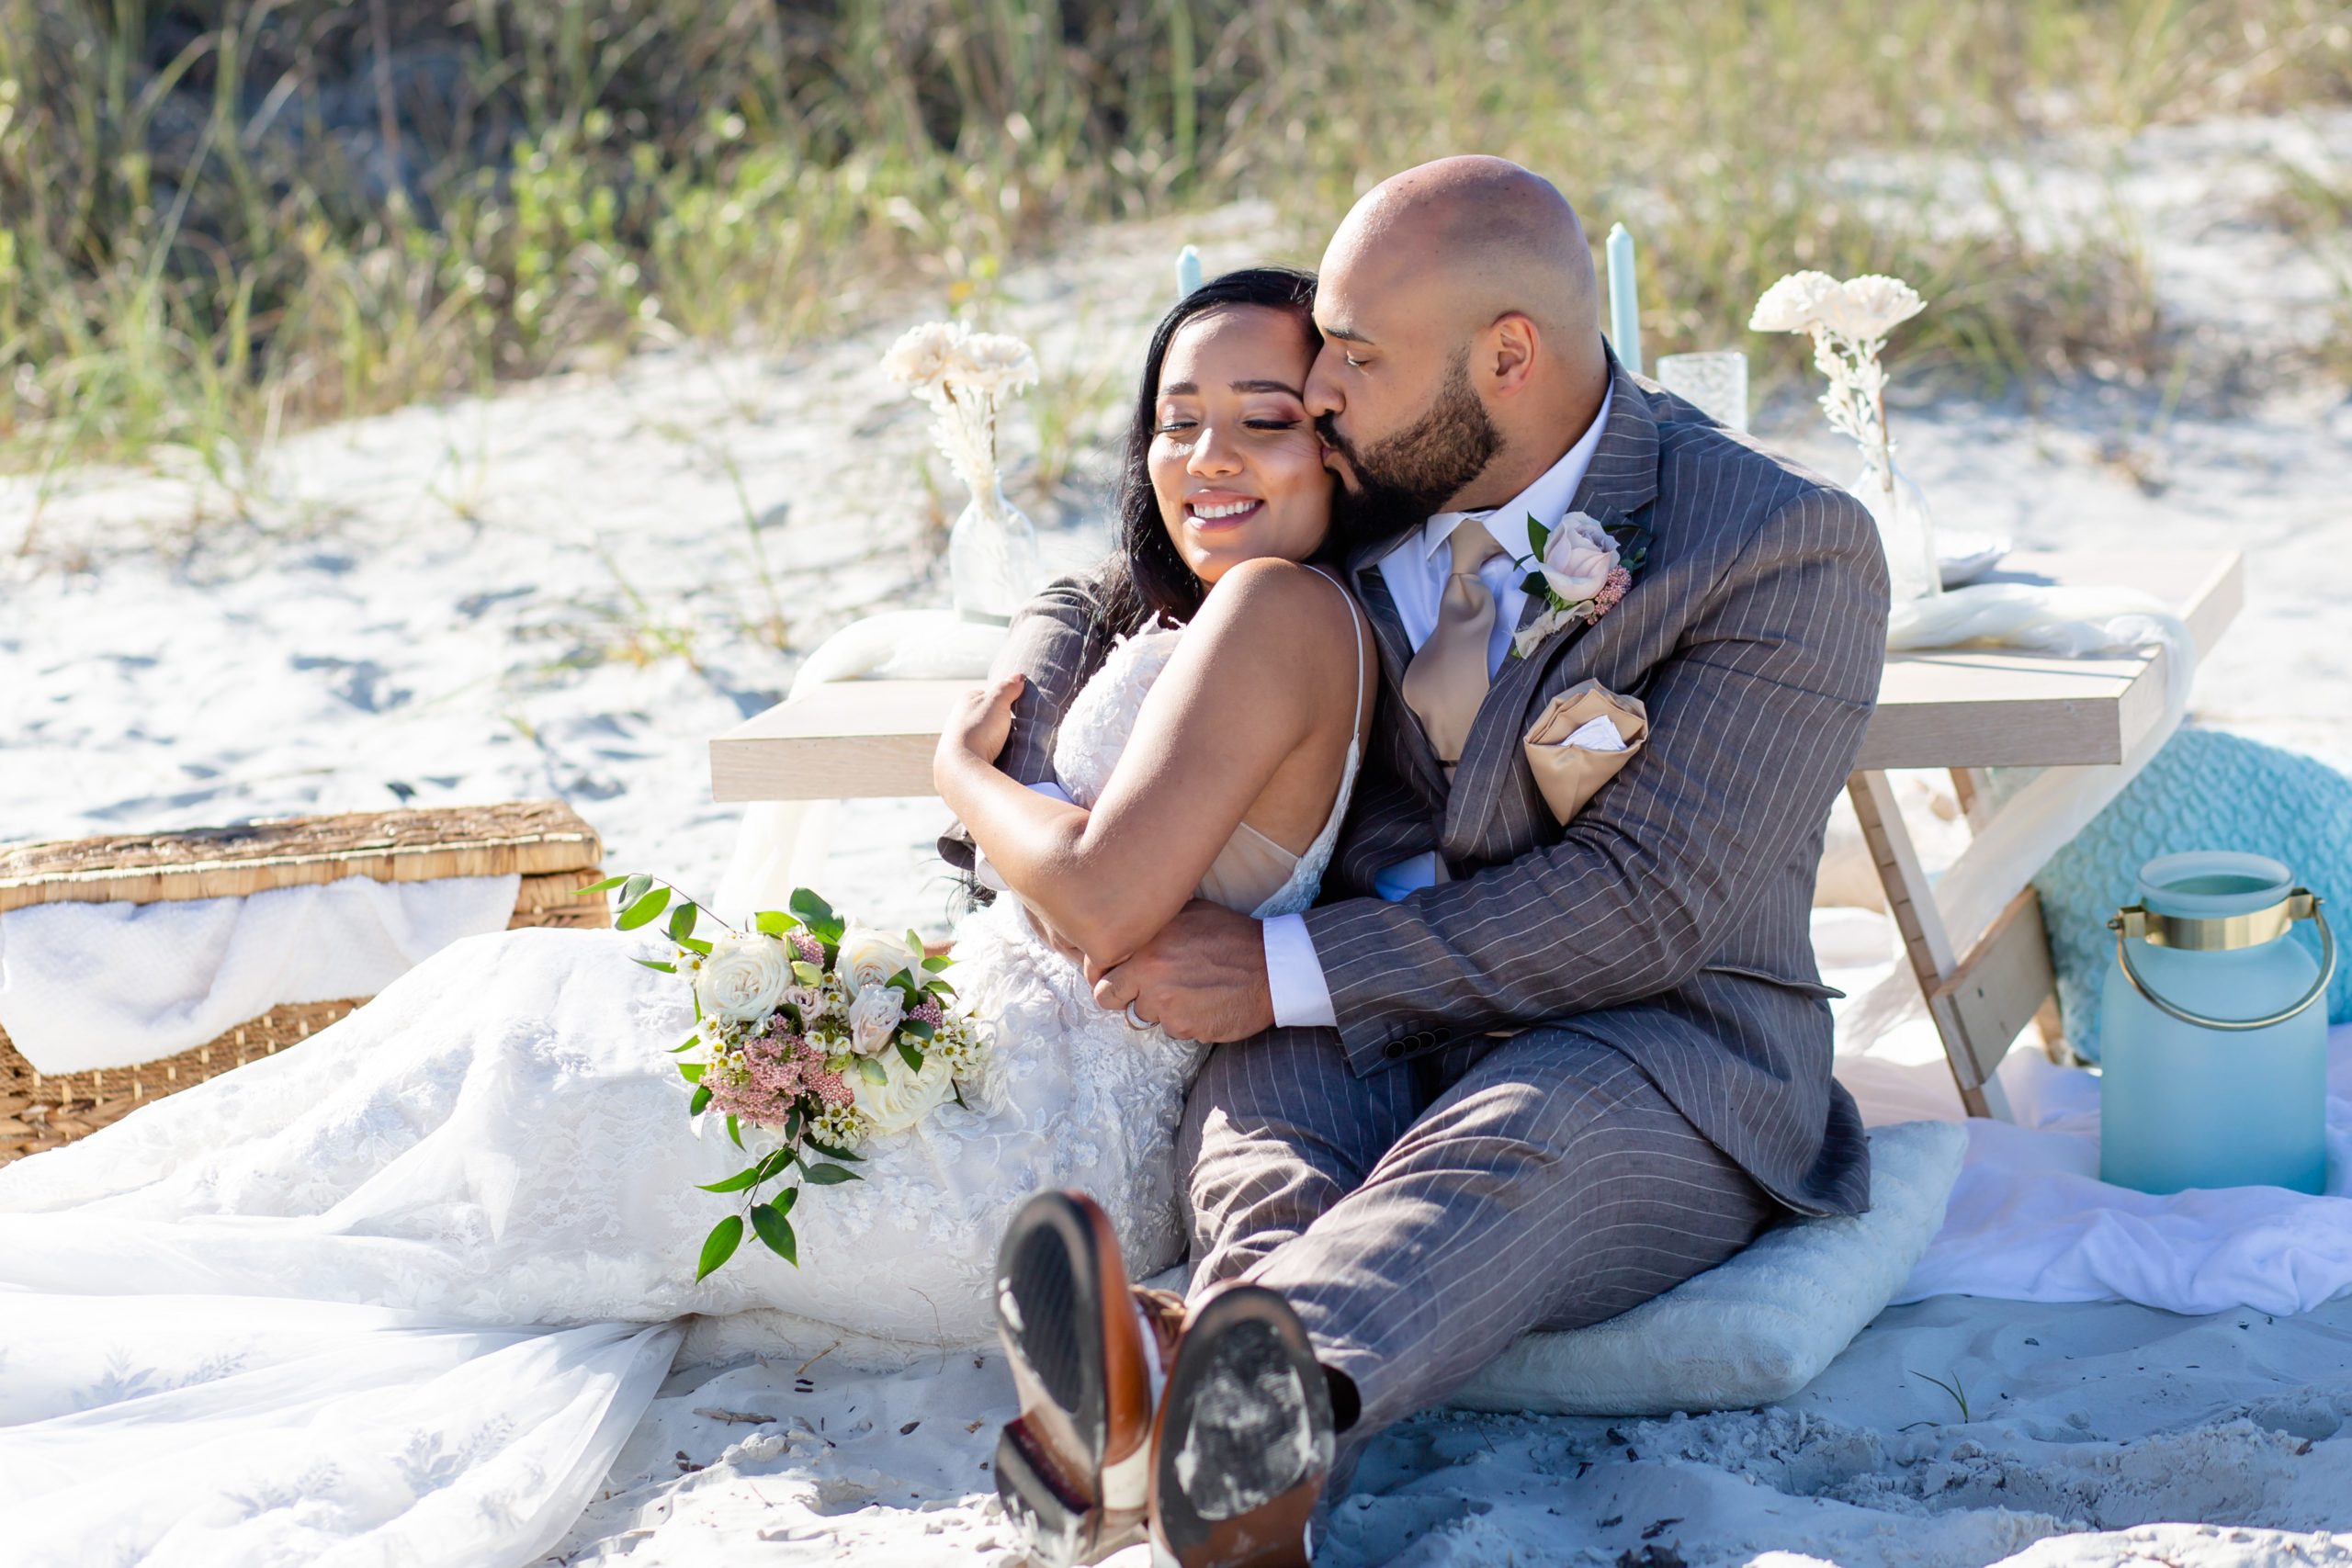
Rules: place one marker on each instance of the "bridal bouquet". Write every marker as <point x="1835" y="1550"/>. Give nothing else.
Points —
<point x="815" y="1033"/>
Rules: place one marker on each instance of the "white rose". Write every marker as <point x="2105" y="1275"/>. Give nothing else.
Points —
<point x="1794" y="304"/>
<point x="906" y="1097"/>
<point x="922" y="354"/>
<point x="1577" y="557"/>
<point x="867" y="957"/>
<point x="744" y="978"/>
<point x="875" y="1017"/>
<point x="1869" y="306"/>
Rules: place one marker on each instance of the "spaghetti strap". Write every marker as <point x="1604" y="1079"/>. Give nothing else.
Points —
<point x="1355" y="624"/>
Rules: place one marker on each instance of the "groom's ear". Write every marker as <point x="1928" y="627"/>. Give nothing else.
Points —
<point x="1507" y="354"/>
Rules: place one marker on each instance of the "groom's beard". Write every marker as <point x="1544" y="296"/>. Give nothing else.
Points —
<point x="1401" y="483"/>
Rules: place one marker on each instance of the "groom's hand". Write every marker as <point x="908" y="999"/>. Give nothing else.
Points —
<point x="1203" y="977"/>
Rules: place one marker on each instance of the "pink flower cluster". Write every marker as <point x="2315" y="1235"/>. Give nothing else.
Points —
<point x="1612" y="587"/>
<point x="771" y="1075"/>
<point x="807" y="948"/>
<point x="928" y="1010"/>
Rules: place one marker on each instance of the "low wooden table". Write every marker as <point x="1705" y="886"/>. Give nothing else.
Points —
<point x="1961" y="710"/>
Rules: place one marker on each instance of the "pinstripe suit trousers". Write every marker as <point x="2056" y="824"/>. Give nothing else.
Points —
<point x="1421" y="1219"/>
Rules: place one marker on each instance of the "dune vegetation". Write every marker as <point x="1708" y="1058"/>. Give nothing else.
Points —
<point x="221" y="218"/>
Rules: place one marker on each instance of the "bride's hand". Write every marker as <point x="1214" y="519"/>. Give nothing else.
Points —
<point x="981" y="721"/>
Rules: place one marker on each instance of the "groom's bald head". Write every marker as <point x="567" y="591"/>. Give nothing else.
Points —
<point x="1463" y="353"/>
<point x="1475" y="238"/>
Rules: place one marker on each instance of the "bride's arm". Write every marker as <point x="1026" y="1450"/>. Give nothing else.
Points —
<point x="1265" y="661"/>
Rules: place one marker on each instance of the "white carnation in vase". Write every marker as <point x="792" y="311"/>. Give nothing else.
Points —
<point x="1869" y="306"/>
<point x="903" y="1098"/>
<point x="744" y="977"/>
<point x="992" y="363"/>
<point x="875" y="1017"/>
<point x="1794" y="304"/>
<point x="868" y="958"/>
<point x="923" y="355"/>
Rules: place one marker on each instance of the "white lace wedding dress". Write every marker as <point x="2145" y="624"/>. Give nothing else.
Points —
<point x="398" y="1296"/>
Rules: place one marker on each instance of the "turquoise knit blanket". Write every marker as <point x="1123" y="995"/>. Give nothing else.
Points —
<point x="2205" y="790"/>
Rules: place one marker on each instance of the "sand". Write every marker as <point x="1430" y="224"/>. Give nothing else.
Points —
<point x="554" y="591"/>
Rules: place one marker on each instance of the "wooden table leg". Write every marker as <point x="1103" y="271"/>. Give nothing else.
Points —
<point x="1945" y="975"/>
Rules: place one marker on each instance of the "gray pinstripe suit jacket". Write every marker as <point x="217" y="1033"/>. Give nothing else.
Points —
<point x="1669" y="920"/>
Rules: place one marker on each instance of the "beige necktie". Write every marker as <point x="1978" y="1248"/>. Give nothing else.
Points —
<point x="1447" y="677"/>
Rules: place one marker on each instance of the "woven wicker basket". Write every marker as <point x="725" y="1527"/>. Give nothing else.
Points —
<point x="554" y="851"/>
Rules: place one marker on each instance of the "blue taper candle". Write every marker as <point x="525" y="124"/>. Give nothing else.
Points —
<point x="1625" y="300"/>
<point x="1188" y="270"/>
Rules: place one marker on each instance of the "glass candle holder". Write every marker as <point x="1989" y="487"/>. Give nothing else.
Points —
<point x="1716" y="382"/>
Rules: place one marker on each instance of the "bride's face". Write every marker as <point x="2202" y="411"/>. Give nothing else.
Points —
<point x="1235" y="460"/>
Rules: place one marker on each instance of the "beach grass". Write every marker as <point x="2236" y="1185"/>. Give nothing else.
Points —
<point x="221" y="218"/>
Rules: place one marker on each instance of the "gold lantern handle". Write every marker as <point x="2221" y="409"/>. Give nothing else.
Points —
<point x="2303" y="904"/>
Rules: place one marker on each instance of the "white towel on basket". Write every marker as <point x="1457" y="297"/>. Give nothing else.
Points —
<point x="88" y="986"/>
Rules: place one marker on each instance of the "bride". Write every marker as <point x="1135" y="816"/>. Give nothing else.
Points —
<point x="400" y="1295"/>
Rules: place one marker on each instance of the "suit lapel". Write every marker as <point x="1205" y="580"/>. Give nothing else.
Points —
<point x="1400" y="733"/>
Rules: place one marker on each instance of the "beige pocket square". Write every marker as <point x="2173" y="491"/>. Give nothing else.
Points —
<point x="1569" y="752"/>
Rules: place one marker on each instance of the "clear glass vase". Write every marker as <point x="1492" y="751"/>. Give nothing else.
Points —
<point x="1906" y="531"/>
<point x="992" y="563"/>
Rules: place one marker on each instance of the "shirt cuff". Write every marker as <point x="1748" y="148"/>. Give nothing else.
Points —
<point x="1294" y="975"/>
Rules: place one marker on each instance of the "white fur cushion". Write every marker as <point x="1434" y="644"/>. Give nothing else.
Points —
<point x="1756" y="1329"/>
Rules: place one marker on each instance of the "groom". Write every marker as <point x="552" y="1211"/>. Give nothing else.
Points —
<point x="1510" y="1073"/>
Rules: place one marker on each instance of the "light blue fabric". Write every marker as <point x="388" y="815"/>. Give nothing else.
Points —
<point x="2205" y="790"/>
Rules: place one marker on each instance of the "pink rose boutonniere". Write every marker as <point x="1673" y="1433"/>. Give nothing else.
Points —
<point x="1582" y="569"/>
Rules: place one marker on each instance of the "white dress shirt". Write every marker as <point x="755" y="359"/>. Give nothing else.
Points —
<point x="1415" y="573"/>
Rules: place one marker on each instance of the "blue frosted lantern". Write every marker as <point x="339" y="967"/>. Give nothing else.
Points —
<point x="2213" y="1052"/>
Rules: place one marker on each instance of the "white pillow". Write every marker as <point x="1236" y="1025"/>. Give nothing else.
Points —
<point x="1755" y="1329"/>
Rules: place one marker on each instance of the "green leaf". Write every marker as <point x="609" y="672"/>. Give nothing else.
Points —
<point x="831" y="1175"/>
<point x="818" y="916"/>
<point x="775" y="1230"/>
<point x="633" y="889"/>
<point x="938" y="962"/>
<point x="776" y="1163"/>
<point x="734" y="1133"/>
<point x="805" y="972"/>
<point x="748" y="1177"/>
<point x="643" y="912"/>
<point x="871" y="1071"/>
<point x="695" y="944"/>
<point x="914" y="942"/>
<point x="773" y="922"/>
<point x="604" y="887"/>
<point x="912" y="1056"/>
<point x="958" y="1090"/>
<point x="831" y="1153"/>
<point x="692" y="1071"/>
<point x="791" y="1132"/>
<point x="701" y="1101"/>
<point x="1534" y="536"/>
<point x="656" y="964"/>
<point x="939" y="989"/>
<point x="720" y="1246"/>
<point x="690" y="1043"/>
<point x="918" y="1028"/>
<point x="682" y="923"/>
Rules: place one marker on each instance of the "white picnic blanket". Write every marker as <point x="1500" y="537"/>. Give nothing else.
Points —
<point x="2030" y="1220"/>
<point x="88" y="986"/>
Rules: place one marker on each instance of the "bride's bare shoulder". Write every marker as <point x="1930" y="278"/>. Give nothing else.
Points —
<point x="1271" y="588"/>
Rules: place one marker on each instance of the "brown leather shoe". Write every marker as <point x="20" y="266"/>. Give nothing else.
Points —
<point x="1073" y="1467"/>
<point x="1244" y="1439"/>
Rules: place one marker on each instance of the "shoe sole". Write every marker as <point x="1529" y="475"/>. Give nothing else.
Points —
<point x="1051" y="1301"/>
<point x="1236" y="1489"/>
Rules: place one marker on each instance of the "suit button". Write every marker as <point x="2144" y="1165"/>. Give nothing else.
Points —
<point x="1395" y="1048"/>
<point x="1443" y="1035"/>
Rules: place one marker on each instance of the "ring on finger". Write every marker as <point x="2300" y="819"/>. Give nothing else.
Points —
<point x="1136" y="1021"/>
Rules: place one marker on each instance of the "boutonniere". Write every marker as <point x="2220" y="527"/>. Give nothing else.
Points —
<point x="1582" y="569"/>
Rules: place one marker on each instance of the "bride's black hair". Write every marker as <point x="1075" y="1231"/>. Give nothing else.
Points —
<point x="1147" y="580"/>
